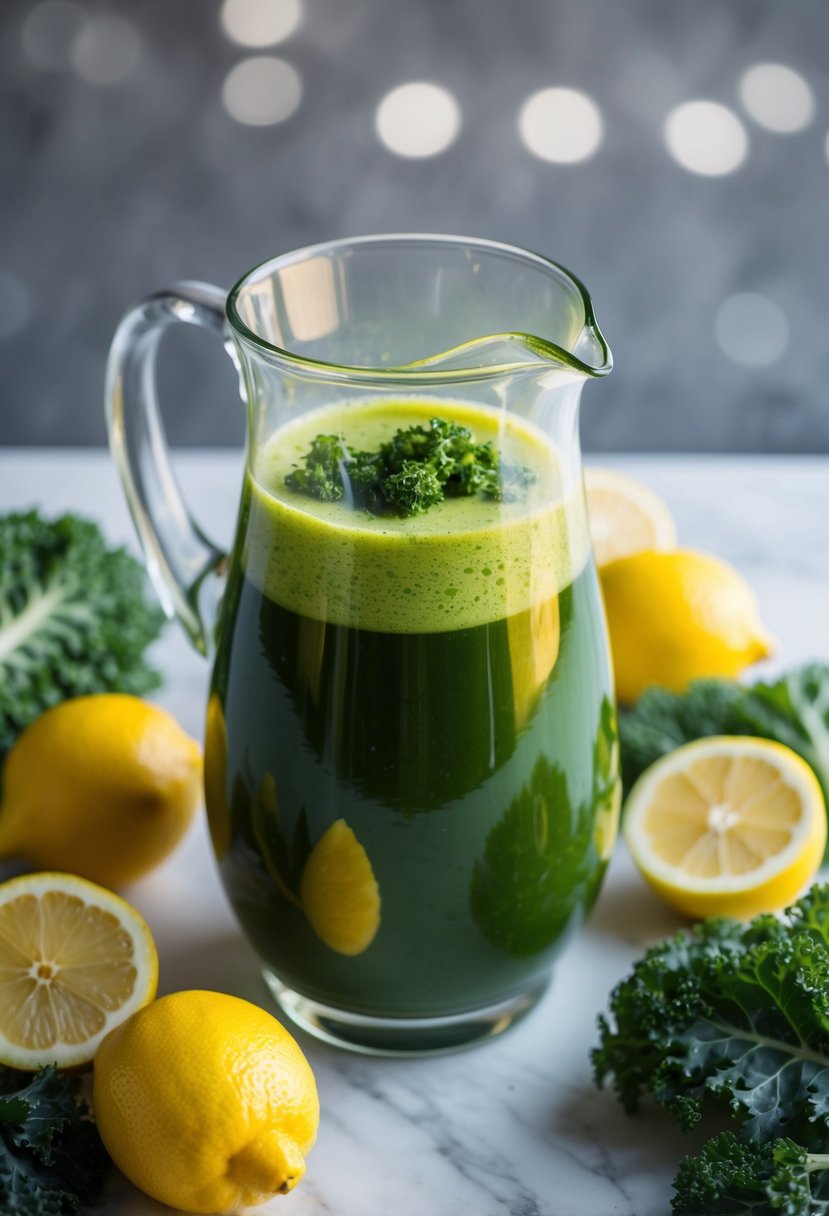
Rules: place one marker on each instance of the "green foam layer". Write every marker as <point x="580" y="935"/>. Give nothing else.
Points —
<point x="464" y="562"/>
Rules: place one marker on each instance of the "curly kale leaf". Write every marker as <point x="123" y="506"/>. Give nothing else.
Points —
<point x="413" y="489"/>
<point x="731" y="1178"/>
<point x="417" y="468"/>
<point x="793" y="710"/>
<point x="730" y="1015"/>
<point x="51" y="1158"/>
<point x="74" y="618"/>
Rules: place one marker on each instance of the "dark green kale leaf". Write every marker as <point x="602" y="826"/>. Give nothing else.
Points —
<point x="417" y="468"/>
<point x="661" y="721"/>
<point x="52" y="1161"/>
<point x="74" y="618"/>
<point x="732" y="1178"/>
<point x="793" y="710"/>
<point x="730" y="1015"/>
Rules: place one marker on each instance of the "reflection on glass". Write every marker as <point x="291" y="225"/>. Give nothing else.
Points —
<point x="544" y="859"/>
<point x="311" y="298"/>
<point x="340" y="895"/>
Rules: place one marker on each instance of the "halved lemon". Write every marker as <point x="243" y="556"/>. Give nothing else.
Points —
<point x="625" y="516"/>
<point x="727" y="826"/>
<point x="75" y="961"/>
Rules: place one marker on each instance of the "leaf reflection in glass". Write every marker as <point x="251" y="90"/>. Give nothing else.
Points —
<point x="544" y="860"/>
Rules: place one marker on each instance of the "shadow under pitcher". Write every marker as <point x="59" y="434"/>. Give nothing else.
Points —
<point x="411" y="758"/>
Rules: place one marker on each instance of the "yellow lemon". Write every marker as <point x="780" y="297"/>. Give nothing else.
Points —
<point x="75" y="961"/>
<point x="339" y="892"/>
<point x="678" y="616"/>
<point x="103" y="786"/>
<point x="625" y="516"/>
<point x="206" y="1102"/>
<point x="727" y="826"/>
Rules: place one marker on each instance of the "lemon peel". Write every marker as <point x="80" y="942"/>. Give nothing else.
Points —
<point x="206" y="1102"/>
<point x="679" y="616"/>
<point x="102" y="786"/>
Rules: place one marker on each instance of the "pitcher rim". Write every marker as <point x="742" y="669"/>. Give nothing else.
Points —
<point x="417" y="372"/>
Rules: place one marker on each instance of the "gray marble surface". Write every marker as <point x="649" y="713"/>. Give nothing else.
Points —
<point x="514" y="1127"/>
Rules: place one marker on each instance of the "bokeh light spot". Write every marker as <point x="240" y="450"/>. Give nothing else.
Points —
<point x="49" y="31"/>
<point x="777" y="97"/>
<point x="561" y="125"/>
<point x="106" y="50"/>
<point x="262" y="90"/>
<point x="260" y="22"/>
<point x="706" y="137"/>
<point x="418" y="119"/>
<point x="751" y="329"/>
<point x="15" y="304"/>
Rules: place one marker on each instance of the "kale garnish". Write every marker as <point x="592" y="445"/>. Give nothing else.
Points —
<point x="417" y="468"/>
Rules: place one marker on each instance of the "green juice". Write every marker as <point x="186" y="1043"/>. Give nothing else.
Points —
<point x="439" y="684"/>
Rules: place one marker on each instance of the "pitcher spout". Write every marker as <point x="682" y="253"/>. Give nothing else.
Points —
<point x="511" y="352"/>
<point x="573" y="341"/>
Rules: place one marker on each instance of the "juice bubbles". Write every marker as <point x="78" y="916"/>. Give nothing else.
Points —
<point x="411" y="748"/>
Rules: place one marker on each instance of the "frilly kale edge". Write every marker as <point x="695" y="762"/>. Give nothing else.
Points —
<point x="52" y="1162"/>
<point x="734" y="1018"/>
<point x="793" y="710"/>
<point x="777" y="1178"/>
<point x="75" y="618"/>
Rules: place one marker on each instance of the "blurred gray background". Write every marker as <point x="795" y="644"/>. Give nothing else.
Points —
<point x="674" y="155"/>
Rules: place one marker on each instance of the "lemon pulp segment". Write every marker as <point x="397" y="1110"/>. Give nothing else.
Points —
<point x="728" y="826"/>
<point x="74" y="961"/>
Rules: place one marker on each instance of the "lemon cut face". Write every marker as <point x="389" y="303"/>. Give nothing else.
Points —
<point x="727" y="826"/>
<point x="75" y="961"/>
<point x="625" y="516"/>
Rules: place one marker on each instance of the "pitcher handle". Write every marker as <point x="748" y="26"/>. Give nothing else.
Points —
<point x="187" y="569"/>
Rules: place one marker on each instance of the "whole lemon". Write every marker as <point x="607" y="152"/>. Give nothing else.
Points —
<point x="101" y="786"/>
<point x="678" y="616"/>
<point x="206" y="1102"/>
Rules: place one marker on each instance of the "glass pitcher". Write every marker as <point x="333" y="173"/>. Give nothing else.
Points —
<point x="411" y="760"/>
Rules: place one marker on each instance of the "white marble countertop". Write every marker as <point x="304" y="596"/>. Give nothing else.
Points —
<point x="514" y="1127"/>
